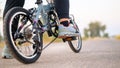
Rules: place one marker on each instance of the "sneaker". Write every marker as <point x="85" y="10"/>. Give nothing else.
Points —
<point x="6" y="54"/>
<point x="68" y="31"/>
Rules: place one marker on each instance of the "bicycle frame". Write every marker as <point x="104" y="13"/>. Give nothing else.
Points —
<point x="31" y="25"/>
<point x="41" y="11"/>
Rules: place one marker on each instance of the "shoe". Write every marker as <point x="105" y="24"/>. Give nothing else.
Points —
<point x="69" y="31"/>
<point x="6" y="54"/>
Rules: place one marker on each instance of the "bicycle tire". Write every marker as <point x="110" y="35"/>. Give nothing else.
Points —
<point x="9" y="38"/>
<point x="76" y="42"/>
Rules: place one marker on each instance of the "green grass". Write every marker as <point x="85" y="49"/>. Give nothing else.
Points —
<point x="46" y="38"/>
<point x="2" y="44"/>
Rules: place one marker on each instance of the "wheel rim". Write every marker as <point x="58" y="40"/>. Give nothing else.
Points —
<point x="23" y="50"/>
<point x="76" y="44"/>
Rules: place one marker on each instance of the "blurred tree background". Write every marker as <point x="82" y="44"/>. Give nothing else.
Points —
<point x="1" y="38"/>
<point x="95" y="29"/>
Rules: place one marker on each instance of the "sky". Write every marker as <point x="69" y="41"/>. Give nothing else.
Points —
<point x="85" y="11"/>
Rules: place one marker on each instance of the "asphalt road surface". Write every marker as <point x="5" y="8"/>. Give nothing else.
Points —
<point x="94" y="54"/>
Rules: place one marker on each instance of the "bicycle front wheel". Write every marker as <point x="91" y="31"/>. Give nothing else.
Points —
<point x="76" y="43"/>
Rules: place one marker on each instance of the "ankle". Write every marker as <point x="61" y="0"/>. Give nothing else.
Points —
<point x="65" y="21"/>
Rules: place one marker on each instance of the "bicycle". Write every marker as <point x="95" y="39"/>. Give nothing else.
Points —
<point x="25" y="38"/>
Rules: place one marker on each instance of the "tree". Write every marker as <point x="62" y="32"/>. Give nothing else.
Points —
<point x="86" y="33"/>
<point x="1" y="38"/>
<point x="103" y="30"/>
<point x="95" y="29"/>
<point x="106" y="35"/>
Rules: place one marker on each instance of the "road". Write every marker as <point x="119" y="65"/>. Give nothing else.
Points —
<point x="94" y="54"/>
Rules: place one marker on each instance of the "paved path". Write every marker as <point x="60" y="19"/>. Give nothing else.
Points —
<point x="94" y="54"/>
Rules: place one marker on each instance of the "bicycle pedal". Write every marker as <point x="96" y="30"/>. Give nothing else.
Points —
<point x="72" y="35"/>
<point x="70" y="38"/>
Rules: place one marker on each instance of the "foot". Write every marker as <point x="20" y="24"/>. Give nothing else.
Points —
<point x="65" y="31"/>
<point x="6" y="54"/>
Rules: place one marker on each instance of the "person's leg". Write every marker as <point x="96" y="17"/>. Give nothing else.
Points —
<point x="62" y="9"/>
<point x="10" y="4"/>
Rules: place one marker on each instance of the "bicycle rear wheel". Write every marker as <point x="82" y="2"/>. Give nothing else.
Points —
<point x="19" y="36"/>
